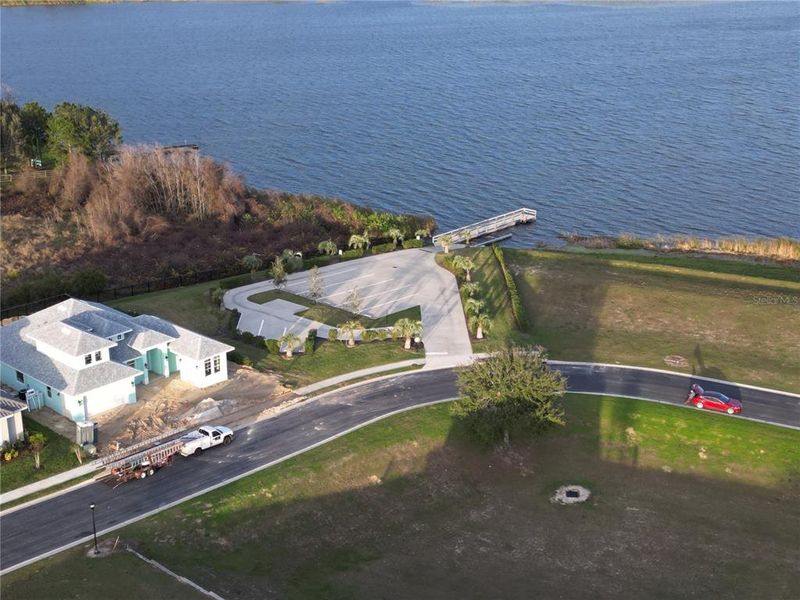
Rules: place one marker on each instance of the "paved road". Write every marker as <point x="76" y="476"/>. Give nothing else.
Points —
<point x="65" y="520"/>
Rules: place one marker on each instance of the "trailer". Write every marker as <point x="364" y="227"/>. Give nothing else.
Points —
<point x="142" y="464"/>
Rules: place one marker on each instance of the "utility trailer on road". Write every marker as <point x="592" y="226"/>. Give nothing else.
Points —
<point x="142" y="464"/>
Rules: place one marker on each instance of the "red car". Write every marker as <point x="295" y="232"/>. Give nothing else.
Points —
<point x="713" y="401"/>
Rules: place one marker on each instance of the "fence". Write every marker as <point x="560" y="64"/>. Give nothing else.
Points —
<point x="155" y="285"/>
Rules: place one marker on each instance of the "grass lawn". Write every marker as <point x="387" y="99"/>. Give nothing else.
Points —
<point x="192" y="308"/>
<point x="332" y="315"/>
<point x="684" y="504"/>
<point x="121" y="576"/>
<point x="729" y="319"/>
<point x="57" y="456"/>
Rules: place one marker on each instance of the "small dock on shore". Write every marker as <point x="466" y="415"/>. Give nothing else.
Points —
<point x="487" y="226"/>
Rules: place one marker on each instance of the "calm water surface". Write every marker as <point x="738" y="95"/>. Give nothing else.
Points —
<point x="674" y="118"/>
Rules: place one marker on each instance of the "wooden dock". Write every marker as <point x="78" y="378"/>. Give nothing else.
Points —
<point x="481" y="228"/>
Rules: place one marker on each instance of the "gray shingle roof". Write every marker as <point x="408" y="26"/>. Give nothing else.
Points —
<point x="19" y="353"/>
<point x="186" y="343"/>
<point x="10" y="404"/>
<point x="64" y="327"/>
<point x="99" y="325"/>
<point x="68" y="339"/>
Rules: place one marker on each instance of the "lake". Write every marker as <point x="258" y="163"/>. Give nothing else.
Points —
<point x="673" y="118"/>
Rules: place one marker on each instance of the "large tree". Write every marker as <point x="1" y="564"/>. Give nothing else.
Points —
<point x="35" y="121"/>
<point x="511" y="391"/>
<point x="10" y="133"/>
<point x="87" y="129"/>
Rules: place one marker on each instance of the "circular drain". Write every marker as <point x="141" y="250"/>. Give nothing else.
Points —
<point x="570" y="494"/>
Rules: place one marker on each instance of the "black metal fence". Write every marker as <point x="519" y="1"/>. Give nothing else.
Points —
<point x="154" y="285"/>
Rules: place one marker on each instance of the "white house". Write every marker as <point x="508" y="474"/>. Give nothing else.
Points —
<point x="82" y="358"/>
<point x="10" y="417"/>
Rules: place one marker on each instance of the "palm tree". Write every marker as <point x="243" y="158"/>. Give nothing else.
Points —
<point x="471" y="289"/>
<point x="395" y="234"/>
<point x="327" y="247"/>
<point x="407" y="328"/>
<point x="474" y="306"/>
<point x="480" y="323"/>
<point x="464" y="263"/>
<point x="278" y="273"/>
<point x="468" y="235"/>
<point x="37" y="441"/>
<point x="349" y="329"/>
<point x="422" y="233"/>
<point x="445" y="242"/>
<point x="252" y="262"/>
<point x="357" y="241"/>
<point x="290" y="341"/>
<point x="366" y="238"/>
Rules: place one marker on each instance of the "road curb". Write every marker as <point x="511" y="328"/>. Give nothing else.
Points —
<point x="216" y="486"/>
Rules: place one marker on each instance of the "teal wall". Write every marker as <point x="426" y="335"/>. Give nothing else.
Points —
<point x="8" y="375"/>
<point x="139" y="364"/>
<point x="155" y="361"/>
<point x="173" y="362"/>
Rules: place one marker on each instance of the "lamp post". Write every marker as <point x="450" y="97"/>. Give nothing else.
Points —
<point x="94" y="529"/>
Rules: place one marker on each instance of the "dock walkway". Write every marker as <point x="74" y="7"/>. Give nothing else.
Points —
<point x="481" y="228"/>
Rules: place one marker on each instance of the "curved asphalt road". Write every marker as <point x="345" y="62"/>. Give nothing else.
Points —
<point x="31" y="533"/>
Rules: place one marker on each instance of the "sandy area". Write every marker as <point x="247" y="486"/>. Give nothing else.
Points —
<point x="169" y="403"/>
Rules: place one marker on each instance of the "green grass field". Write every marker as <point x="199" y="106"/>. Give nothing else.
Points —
<point x="728" y="319"/>
<point x="56" y="457"/>
<point x="684" y="504"/>
<point x="192" y="308"/>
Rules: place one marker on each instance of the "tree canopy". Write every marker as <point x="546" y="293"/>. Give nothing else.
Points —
<point x="511" y="391"/>
<point x="88" y="129"/>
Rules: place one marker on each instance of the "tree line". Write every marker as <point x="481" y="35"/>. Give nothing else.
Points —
<point x="32" y="133"/>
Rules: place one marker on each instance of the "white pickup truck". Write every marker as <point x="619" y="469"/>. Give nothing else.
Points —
<point x="204" y="438"/>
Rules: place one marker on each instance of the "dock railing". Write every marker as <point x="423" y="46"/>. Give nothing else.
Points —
<point x="481" y="228"/>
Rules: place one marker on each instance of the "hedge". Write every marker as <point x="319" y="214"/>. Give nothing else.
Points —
<point x="354" y="253"/>
<point x="317" y="261"/>
<point x="413" y="243"/>
<point x="381" y="248"/>
<point x="511" y="286"/>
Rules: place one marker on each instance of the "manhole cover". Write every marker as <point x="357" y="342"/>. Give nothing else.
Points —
<point x="570" y="494"/>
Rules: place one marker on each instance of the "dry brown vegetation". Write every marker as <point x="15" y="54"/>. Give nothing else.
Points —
<point x="154" y="212"/>
<point x="778" y="249"/>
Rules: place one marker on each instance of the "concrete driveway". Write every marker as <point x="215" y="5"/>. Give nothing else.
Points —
<point x="386" y="284"/>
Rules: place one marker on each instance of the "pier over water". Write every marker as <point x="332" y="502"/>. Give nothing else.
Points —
<point x="481" y="228"/>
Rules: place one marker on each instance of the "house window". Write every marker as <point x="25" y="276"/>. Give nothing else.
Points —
<point x="217" y="365"/>
<point x="208" y="367"/>
<point x="87" y="359"/>
<point x="98" y="356"/>
<point x="49" y="392"/>
<point x="20" y="377"/>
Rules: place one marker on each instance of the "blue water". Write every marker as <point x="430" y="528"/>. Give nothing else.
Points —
<point x="644" y="119"/>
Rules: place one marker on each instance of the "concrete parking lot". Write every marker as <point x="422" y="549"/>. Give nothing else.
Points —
<point x="386" y="284"/>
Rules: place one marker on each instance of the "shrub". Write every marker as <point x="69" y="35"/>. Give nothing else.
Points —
<point x="413" y="243"/>
<point x="233" y="282"/>
<point x="511" y="286"/>
<point x="247" y="361"/>
<point x="311" y="341"/>
<point x="233" y="321"/>
<point x="354" y="253"/>
<point x="317" y="261"/>
<point x="237" y="357"/>
<point x="216" y="296"/>
<point x="333" y="334"/>
<point x="273" y="347"/>
<point x="381" y="248"/>
<point x="368" y="336"/>
<point x="248" y="338"/>
<point x="87" y="283"/>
